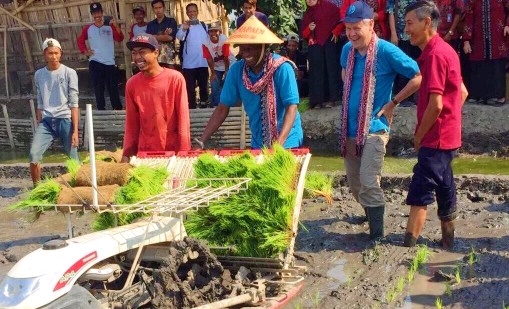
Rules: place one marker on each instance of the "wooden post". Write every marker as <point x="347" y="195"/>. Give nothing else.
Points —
<point x="34" y="115"/>
<point x="182" y="10"/>
<point x="6" y="70"/>
<point x="242" y="128"/>
<point x="127" y="53"/>
<point x="8" y="125"/>
<point x="224" y="20"/>
<point x="27" y="48"/>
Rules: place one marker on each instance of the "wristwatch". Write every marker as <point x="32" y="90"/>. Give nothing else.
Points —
<point x="395" y="101"/>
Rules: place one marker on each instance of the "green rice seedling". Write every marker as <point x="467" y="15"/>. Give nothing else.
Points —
<point x="400" y="285"/>
<point x="257" y="221"/>
<point x="73" y="167"/>
<point x="318" y="184"/>
<point x="40" y="198"/>
<point x="390" y="295"/>
<point x="504" y="306"/>
<point x="448" y="290"/>
<point x="472" y="256"/>
<point x="457" y="274"/>
<point x="410" y="274"/>
<point x="144" y="182"/>
<point x="422" y="255"/>
<point x="438" y="303"/>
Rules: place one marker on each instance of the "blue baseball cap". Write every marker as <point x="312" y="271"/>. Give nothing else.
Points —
<point x="358" y="11"/>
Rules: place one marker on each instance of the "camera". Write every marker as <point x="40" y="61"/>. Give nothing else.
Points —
<point x="194" y="22"/>
<point x="107" y="19"/>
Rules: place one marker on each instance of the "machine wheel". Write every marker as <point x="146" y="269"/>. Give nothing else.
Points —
<point x="77" y="298"/>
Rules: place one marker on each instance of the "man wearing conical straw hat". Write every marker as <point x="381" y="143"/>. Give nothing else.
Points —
<point x="266" y="85"/>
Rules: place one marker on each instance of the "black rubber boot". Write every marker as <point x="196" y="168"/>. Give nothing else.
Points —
<point x="376" y="222"/>
<point x="410" y="240"/>
<point x="447" y="241"/>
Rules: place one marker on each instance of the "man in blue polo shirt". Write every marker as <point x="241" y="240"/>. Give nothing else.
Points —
<point x="266" y="85"/>
<point x="370" y="66"/>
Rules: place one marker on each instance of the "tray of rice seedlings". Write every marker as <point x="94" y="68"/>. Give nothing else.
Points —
<point x="257" y="222"/>
<point x="144" y="182"/>
<point x="318" y="184"/>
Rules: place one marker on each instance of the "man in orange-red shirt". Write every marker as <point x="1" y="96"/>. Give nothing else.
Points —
<point x="157" y="113"/>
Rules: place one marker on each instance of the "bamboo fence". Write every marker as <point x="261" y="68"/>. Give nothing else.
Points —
<point x="109" y="129"/>
<point x="24" y="25"/>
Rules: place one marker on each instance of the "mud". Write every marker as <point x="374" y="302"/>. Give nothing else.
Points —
<point x="191" y="277"/>
<point x="344" y="268"/>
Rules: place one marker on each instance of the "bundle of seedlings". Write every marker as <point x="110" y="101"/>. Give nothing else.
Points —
<point x="106" y="174"/>
<point x="41" y="198"/>
<point x="318" y="184"/>
<point x="257" y="222"/>
<point x="144" y="182"/>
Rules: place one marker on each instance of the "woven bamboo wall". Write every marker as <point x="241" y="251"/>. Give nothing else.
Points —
<point x="63" y="20"/>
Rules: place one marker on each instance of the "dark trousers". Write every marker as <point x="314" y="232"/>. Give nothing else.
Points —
<point x="324" y="72"/>
<point x="413" y="52"/>
<point x="487" y="79"/>
<point x="192" y="76"/>
<point x="105" y="76"/>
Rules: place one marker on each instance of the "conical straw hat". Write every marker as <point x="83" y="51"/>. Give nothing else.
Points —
<point x="253" y="31"/>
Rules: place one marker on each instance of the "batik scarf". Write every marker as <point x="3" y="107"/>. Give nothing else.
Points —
<point x="266" y="89"/>
<point x="367" y="96"/>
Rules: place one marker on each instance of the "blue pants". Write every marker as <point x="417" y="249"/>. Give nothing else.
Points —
<point x="48" y="130"/>
<point x="216" y="85"/>
<point x="432" y="178"/>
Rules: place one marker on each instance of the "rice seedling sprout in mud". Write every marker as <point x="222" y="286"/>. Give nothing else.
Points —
<point x="472" y="256"/>
<point x="318" y="184"/>
<point x="410" y="274"/>
<point x="438" y="303"/>
<point x="390" y="295"/>
<point x="457" y="274"/>
<point x="400" y="285"/>
<point x="448" y="290"/>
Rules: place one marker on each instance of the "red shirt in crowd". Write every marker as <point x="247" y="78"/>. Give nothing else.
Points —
<point x="441" y="74"/>
<point x="157" y="113"/>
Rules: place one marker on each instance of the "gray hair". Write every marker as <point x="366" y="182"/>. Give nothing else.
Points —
<point x="424" y="9"/>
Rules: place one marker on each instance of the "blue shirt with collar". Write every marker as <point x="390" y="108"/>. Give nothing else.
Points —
<point x="286" y="94"/>
<point x="391" y="61"/>
<point x="154" y="27"/>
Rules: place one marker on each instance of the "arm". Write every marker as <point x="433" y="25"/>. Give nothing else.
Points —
<point x="118" y="36"/>
<point x="75" y="117"/>
<point x="464" y="93"/>
<point x="411" y="87"/>
<point x="429" y="118"/>
<point x="455" y="23"/>
<point x="215" y="121"/>
<point x="181" y="33"/>
<point x="82" y="46"/>
<point x="392" y="26"/>
<point x="131" y="32"/>
<point x="289" y="119"/>
<point x="184" y="123"/>
<point x="40" y="104"/>
<point x="208" y="56"/>
<point x="73" y="103"/>
<point x="132" y="127"/>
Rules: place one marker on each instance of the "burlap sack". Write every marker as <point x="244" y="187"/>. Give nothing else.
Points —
<point x="107" y="174"/>
<point x="72" y="196"/>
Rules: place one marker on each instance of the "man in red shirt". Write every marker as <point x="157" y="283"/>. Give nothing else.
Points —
<point x="157" y="113"/>
<point x="438" y="132"/>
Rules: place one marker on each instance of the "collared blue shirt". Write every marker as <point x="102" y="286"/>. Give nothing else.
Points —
<point x="286" y="94"/>
<point x="153" y="27"/>
<point x="391" y="61"/>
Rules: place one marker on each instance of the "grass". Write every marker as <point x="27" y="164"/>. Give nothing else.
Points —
<point x="472" y="257"/>
<point x="457" y="274"/>
<point x="448" y="290"/>
<point x="464" y="165"/>
<point x="318" y="184"/>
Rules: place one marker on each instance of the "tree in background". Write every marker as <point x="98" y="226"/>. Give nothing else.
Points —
<point x="282" y="13"/>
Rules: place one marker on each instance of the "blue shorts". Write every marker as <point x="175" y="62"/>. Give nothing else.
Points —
<point x="48" y="130"/>
<point x="433" y="177"/>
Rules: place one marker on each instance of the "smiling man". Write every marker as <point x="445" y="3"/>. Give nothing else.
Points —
<point x="101" y="56"/>
<point x="266" y="85"/>
<point x="438" y="132"/>
<point x="370" y="67"/>
<point x="157" y="114"/>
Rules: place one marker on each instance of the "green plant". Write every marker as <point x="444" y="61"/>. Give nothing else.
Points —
<point x="400" y="285"/>
<point x="410" y="274"/>
<point x="303" y="105"/>
<point x="318" y="184"/>
<point x="390" y="295"/>
<point x="448" y="290"/>
<point x="438" y="303"/>
<point x="472" y="256"/>
<point x="457" y="274"/>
